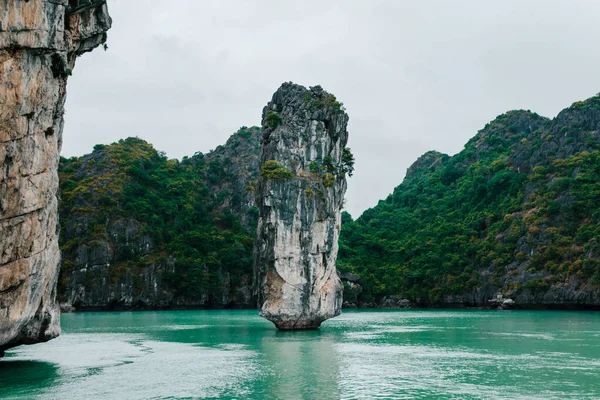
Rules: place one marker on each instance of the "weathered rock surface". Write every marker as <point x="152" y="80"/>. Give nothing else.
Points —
<point x="39" y="42"/>
<point x="300" y="195"/>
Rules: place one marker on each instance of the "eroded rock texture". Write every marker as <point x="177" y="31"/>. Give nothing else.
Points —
<point x="39" y="41"/>
<point x="300" y="196"/>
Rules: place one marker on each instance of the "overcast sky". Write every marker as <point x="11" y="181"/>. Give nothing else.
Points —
<point x="414" y="75"/>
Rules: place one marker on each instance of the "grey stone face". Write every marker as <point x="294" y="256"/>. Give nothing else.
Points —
<point x="39" y="43"/>
<point x="300" y="196"/>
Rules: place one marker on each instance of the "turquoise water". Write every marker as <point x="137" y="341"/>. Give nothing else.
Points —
<point x="361" y="354"/>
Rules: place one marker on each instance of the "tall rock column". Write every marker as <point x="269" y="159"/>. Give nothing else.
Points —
<point x="39" y="42"/>
<point x="300" y="194"/>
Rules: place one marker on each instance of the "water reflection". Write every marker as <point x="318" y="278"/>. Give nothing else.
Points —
<point x="302" y="362"/>
<point x="18" y="376"/>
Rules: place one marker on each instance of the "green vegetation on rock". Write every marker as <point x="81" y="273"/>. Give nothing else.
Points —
<point x="273" y="119"/>
<point x="275" y="171"/>
<point x="187" y="225"/>
<point x="515" y="212"/>
<point x="347" y="162"/>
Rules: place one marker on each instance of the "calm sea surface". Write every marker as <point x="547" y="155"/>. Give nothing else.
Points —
<point x="361" y="354"/>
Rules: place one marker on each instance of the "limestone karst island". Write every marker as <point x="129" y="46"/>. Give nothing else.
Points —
<point x="264" y="200"/>
<point x="300" y="192"/>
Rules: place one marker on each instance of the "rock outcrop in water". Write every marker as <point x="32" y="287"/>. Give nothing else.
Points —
<point x="39" y="42"/>
<point x="300" y="195"/>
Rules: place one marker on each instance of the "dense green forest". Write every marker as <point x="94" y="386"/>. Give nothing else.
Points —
<point x="515" y="212"/>
<point x="126" y="208"/>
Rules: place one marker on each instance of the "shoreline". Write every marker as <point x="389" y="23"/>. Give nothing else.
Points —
<point x="516" y="307"/>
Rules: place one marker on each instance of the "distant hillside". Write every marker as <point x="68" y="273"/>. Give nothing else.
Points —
<point x="140" y="230"/>
<point x="517" y="212"/>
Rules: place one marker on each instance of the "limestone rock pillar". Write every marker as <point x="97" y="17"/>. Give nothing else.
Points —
<point x="300" y="194"/>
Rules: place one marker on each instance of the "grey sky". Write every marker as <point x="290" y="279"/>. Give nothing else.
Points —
<point x="413" y="75"/>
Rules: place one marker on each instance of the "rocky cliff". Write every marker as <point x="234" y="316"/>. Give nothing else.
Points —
<point x="510" y="220"/>
<point x="300" y="195"/>
<point x="39" y="42"/>
<point x="142" y="231"/>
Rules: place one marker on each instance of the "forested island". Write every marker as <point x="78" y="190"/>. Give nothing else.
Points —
<point x="514" y="215"/>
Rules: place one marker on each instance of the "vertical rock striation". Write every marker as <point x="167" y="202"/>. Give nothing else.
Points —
<point x="39" y="41"/>
<point x="300" y="195"/>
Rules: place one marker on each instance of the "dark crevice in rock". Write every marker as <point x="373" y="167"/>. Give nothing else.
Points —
<point x="29" y="256"/>
<point x="7" y="164"/>
<point x="12" y="288"/>
<point x="57" y="65"/>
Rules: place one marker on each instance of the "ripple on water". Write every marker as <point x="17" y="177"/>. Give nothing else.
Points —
<point x="182" y="327"/>
<point x="544" y="336"/>
<point x="429" y="371"/>
<point x="111" y="365"/>
<point x="372" y="354"/>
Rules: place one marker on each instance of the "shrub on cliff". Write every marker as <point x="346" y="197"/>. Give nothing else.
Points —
<point x="273" y="119"/>
<point x="273" y="170"/>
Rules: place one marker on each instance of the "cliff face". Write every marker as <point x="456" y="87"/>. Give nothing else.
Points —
<point x="514" y="214"/>
<point x="231" y="173"/>
<point x="142" y="231"/>
<point x="39" y="42"/>
<point x="300" y="194"/>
